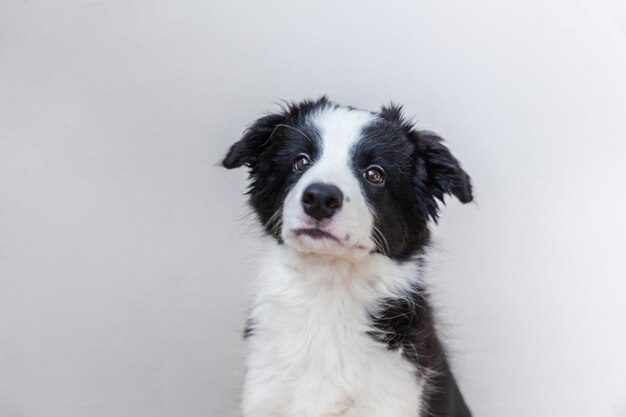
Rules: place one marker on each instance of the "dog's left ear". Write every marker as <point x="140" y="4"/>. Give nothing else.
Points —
<point x="444" y="174"/>
<point x="438" y="173"/>
<point x="255" y="139"/>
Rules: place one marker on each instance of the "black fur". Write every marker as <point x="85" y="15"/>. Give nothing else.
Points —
<point x="248" y="330"/>
<point x="268" y="148"/>
<point x="420" y="171"/>
<point x="408" y="324"/>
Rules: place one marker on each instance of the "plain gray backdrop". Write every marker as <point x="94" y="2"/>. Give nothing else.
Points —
<point x="126" y="252"/>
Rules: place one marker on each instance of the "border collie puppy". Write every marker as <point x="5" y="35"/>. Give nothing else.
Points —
<point x="341" y="324"/>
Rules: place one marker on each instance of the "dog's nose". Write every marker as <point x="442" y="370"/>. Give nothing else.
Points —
<point x="321" y="201"/>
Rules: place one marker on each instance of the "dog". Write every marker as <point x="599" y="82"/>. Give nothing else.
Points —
<point x="341" y="323"/>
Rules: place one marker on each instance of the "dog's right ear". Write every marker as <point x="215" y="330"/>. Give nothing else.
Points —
<point x="255" y="139"/>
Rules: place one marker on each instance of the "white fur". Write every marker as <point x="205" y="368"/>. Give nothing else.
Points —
<point x="310" y="353"/>
<point x="340" y="130"/>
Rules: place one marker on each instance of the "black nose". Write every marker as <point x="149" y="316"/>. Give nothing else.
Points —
<point x="321" y="201"/>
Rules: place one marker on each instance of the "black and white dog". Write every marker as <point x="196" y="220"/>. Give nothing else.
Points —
<point x="341" y="324"/>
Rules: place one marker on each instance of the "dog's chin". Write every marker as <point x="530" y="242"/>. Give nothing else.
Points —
<point x="314" y="241"/>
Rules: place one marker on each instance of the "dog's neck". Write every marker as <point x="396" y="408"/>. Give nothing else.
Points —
<point x="370" y="277"/>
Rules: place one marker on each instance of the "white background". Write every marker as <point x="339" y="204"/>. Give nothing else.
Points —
<point x="126" y="252"/>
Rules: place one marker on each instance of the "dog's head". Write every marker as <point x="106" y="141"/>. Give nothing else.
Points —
<point x="343" y="182"/>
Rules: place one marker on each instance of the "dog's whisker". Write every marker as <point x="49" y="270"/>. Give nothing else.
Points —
<point x="274" y="223"/>
<point x="297" y="130"/>
<point x="380" y="241"/>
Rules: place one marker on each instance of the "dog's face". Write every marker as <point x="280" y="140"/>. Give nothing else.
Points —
<point x="343" y="182"/>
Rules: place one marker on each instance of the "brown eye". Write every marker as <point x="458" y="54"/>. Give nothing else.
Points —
<point x="301" y="163"/>
<point x="375" y="175"/>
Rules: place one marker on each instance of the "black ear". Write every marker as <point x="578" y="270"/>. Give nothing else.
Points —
<point x="443" y="171"/>
<point x="254" y="140"/>
<point x="437" y="172"/>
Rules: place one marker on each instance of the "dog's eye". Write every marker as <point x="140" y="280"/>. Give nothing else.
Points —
<point x="301" y="162"/>
<point x="375" y="175"/>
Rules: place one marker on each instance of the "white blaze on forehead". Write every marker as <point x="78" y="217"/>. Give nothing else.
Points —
<point x="340" y="129"/>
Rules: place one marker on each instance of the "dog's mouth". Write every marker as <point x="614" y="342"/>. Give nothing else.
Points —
<point x="315" y="234"/>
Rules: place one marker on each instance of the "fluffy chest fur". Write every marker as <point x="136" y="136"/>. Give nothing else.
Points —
<point x="311" y="352"/>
